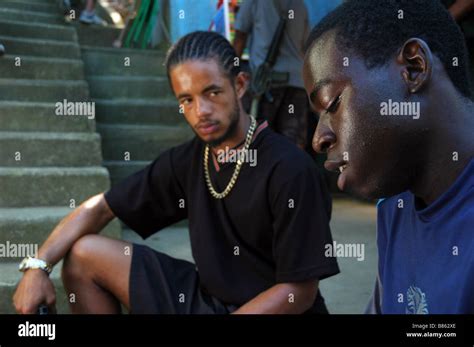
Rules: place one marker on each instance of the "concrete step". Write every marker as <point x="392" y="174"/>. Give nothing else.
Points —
<point x="51" y="2"/>
<point x="28" y="67"/>
<point x="142" y="142"/>
<point x="22" y="15"/>
<point x="139" y="111"/>
<point x="54" y="186"/>
<point x="132" y="53"/>
<point x="40" y="116"/>
<point x="17" y="46"/>
<point x="24" y="149"/>
<point x="117" y="87"/>
<point x="32" y="226"/>
<point x="123" y="62"/>
<point x="43" y="90"/>
<point x="120" y="169"/>
<point x="9" y="278"/>
<point x="94" y="35"/>
<point x="37" y="31"/>
<point x="44" y="7"/>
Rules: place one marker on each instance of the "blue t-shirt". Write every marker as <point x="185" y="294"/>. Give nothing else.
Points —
<point x="426" y="257"/>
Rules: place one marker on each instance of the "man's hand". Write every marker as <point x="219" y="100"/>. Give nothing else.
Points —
<point x="34" y="289"/>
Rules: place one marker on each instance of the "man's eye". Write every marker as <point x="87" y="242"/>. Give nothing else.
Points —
<point x="333" y="107"/>
<point x="185" y="101"/>
<point x="215" y="93"/>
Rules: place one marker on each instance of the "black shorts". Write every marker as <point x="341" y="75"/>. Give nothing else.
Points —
<point x="160" y="284"/>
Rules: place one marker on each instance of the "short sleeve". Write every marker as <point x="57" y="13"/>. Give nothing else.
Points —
<point x="244" y="20"/>
<point x="150" y="199"/>
<point x="301" y="209"/>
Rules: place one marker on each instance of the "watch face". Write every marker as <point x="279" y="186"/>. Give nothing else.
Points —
<point x="32" y="263"/>
<point x="23" y="264"/>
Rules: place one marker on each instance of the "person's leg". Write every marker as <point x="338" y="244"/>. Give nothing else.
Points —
<point x="269" y="110"/>
<point x="88" y="16"/>
<point x="90" y="5"/>
<point x="96" y="274"/>
<point x="292" y="116"/>
<point x="291" y="125"/>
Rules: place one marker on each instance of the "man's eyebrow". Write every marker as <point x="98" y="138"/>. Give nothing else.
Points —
<point x="211" y="87"/>
<point x="317" y="87"/>
<point x="183" y="95"/>
<point x="205" y="90"/>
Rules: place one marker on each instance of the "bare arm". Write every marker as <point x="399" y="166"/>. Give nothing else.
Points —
<point x="282" y="298"/>
<point x="35" y="287"/>
<point x="89" y="218"/>
<point x="460" y="8"/>
<point x="240" y="42"/>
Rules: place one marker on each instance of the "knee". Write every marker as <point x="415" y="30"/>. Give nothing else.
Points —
<point x="75" y="261"/>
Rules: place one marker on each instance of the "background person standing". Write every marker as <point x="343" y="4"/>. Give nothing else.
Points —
<point x="287" y="107"/>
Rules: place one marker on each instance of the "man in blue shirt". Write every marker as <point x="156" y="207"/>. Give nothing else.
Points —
<point x="390" y="82"/>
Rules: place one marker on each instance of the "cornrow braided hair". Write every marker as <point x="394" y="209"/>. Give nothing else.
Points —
<point x="204" y="45"/>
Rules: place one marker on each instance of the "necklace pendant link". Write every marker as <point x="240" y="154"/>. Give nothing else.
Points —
<point x="230" y="185"/>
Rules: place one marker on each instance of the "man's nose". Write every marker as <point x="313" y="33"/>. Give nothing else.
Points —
<point x="203" y="108"/>
<point x="323" y="139"/>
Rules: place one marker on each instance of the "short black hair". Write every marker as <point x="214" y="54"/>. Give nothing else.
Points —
<point x="372" y="29"/>
<point x="204" y="45"/>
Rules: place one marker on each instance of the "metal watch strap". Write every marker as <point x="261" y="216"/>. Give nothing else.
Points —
<point x="38" y="264"/>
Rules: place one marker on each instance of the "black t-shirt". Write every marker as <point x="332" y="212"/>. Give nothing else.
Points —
<point x="271" y="228"/>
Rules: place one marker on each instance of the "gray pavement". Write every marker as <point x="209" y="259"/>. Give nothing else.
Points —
<point x="349" y="291"/>
<point x="353" y="222"/>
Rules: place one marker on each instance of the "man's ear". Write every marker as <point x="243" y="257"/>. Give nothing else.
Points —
<point x="241" y="83"/>
<point x="417" y="61"/>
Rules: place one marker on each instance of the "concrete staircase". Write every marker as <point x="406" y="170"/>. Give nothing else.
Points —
<point x="46" y="161"/>
<point x="137" y="118"/>
<point x="137" y="114"/>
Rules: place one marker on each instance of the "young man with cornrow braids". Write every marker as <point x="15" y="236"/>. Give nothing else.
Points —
<point x="257" y="232"/>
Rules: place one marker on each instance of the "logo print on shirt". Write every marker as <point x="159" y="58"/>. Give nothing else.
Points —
<point x="416" y="301"/>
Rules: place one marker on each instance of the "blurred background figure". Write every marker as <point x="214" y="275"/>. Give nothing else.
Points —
<point x="130" y="16"/>
<point x="144" y="25"/>
<point x="2" y="50"/>
<point x="255" y="25"/>
<point x="463" y="12"/>
<point x="88" y="15"/>
<point x="284" y="104"/>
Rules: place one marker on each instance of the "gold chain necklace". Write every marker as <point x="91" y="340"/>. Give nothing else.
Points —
<point x="248" y="141"/>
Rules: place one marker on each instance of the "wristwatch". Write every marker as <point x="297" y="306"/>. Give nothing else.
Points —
<point x="35" y="263"/>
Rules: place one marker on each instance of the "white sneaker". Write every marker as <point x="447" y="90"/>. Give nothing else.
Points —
<point x="91" y="18"/>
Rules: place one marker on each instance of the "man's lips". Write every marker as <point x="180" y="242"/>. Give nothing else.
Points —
<point x="207" y="128"/>
<point x="335" y="165"/>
